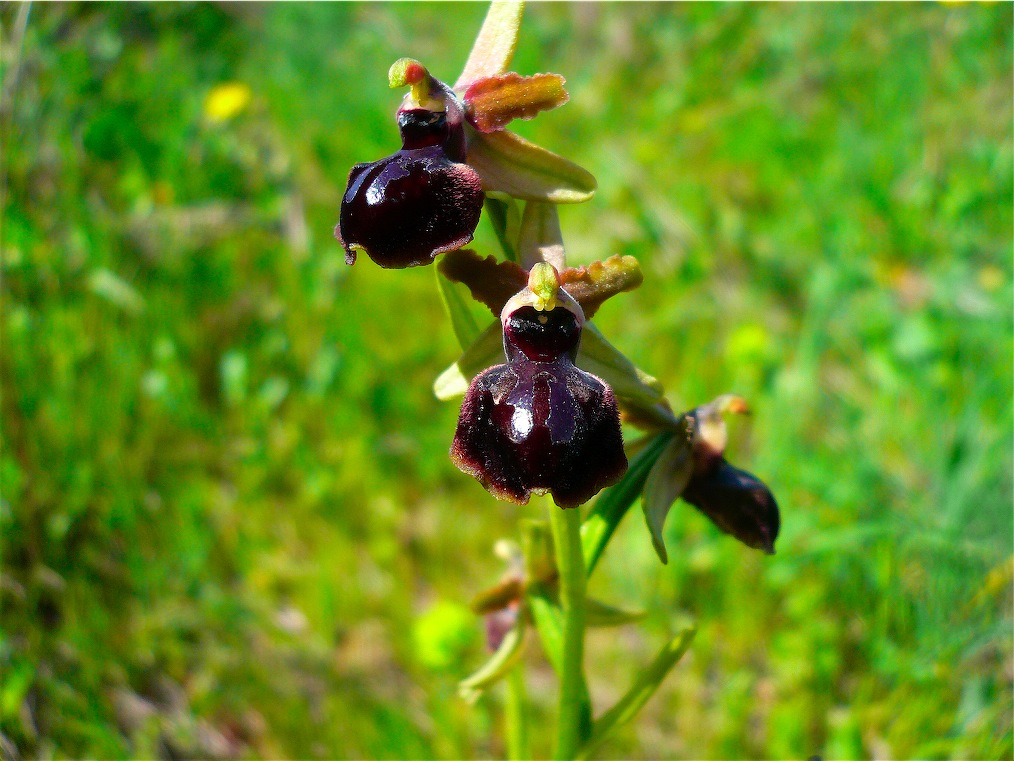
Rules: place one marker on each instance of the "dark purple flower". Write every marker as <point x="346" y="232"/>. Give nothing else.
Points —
<point x="538" y="423"/>
<point x="422" y="201"/>
<point x="736" y="501"/>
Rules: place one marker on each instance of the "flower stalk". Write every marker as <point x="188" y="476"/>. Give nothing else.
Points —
<point x="566" y="526"/>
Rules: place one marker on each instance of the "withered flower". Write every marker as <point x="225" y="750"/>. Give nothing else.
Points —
<point x="693" y="466"/>
<point x="735" y="501"/>
<point x="538" y="423"/>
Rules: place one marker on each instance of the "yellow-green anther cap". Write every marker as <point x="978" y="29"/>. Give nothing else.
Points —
<point x="544" y="283"/>
<point x="408" y="72"/>
<point x="544" y="292"/>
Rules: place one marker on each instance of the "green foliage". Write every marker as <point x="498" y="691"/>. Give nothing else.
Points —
<point x="226" y="500"/>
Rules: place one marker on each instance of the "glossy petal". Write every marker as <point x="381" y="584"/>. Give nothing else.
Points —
<point x="407" y="208"/>
<point x="738" y="503"/>
<point x="538" y="423"/>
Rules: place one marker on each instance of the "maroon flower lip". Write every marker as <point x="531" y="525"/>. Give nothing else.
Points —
<point x="738" y="503"/>
<point x="538" y="423"/>
<point x="406" y="209"/>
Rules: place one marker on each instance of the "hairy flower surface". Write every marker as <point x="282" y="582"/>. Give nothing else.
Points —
<point x="538" y="423"/>
<point x="405" y="209"/>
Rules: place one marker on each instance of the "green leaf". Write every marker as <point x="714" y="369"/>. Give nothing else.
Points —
<point x="500" y="663"/>
<point x="485" y="351"/>
<point x="540" y="239"/>
<point x="613" y="503"/>
<point x="599" y="357"/>
<point x="495" y="44"/>
<point x="457" y="307"/>
<point x="510" y="164"/>
<point x="115" y="290"/>
<point x="496" y="101"/>
<point x="640" y="691"/>
<point x="666" y="481"/>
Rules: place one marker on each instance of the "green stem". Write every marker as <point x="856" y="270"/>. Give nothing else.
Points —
<point x="518" y="747"/>
<point x="566" y="526"/>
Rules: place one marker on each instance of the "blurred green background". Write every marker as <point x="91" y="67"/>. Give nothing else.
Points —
<point x="230" y="526"/>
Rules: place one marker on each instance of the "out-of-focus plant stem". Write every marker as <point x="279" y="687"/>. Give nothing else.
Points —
<point x="518" y="744"/>
<point x="566" y="526"/>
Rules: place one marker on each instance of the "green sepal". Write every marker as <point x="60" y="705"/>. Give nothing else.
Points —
<point x="640" y="691"/>
<point x="597" y="613"/>
<point x="665" y="483"/>
<point x="485" y="351"/>
<point x="502" y="212"/>
<point x="632" y="386"/>
<point x="548" y="620"/>
<point x="613" y="503"/>
<point x="596" y="355"/>
<point x="466" y="329"/>
<point x="499" y="664"/>
<point x="540" y="239"/>
<point x="495" y="44"/>
<point x="508" y="163"/>
<point x="538" y="551"/>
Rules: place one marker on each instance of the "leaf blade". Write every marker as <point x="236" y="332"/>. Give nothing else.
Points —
<point x="644" y="686"/>
<point x="613" y="503"/>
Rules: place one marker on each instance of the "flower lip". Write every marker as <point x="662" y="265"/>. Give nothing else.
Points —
<point x="405" y="209"/>
<point x="536" y="427"/>
<point x="539" y="423"/>
<point x="542" y="336"/>
<point x="424" y="200"/>
<point x="738" y="503"/>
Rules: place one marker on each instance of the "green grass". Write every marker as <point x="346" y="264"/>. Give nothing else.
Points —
<point x="226" y="501"/>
